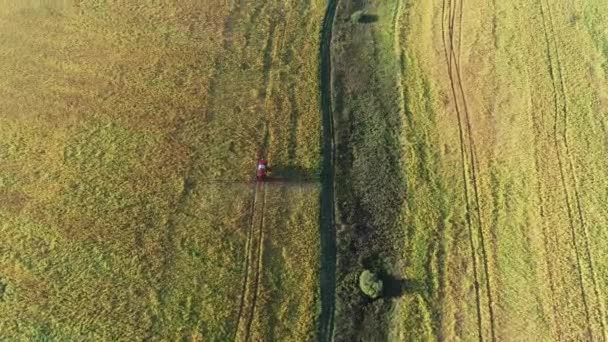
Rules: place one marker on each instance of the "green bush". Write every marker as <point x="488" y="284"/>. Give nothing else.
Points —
<point x="370" y="284"/>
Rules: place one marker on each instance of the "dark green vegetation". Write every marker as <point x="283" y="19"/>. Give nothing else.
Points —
<point x="370" y="188"/>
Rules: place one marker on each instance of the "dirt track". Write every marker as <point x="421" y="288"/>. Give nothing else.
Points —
<point x="327" y="224"/>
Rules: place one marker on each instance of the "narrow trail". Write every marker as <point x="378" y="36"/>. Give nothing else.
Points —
<point x="452" y="56"/>
<point x="327" y="217"/>
<point x="560" y="92"/>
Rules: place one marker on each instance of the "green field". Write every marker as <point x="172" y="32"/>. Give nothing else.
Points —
<point x="455" y="148"/>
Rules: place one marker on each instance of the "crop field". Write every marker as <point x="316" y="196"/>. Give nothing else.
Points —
<point x="455" y="148"/>
<point x="505" y="147"/>
<point x="129" y="133"/>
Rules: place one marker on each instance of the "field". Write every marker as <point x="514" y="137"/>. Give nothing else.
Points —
<point x="128" y="137"/>
<point x="455" y="148"/>
<point x="475" y="180"/>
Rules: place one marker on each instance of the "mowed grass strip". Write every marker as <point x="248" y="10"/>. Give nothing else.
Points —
<point x="111" y="126"/>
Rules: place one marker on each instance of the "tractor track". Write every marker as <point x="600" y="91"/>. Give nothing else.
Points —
<point x="247" y="260"/>
<point x="253" y="266"/>
<point x="559" y="89"/>
<point x="537" y="127"/>
<point x="576" y="187"/>
<point x="259" y="261"/>
<point x="452" y="56"/>
<point x="254" y="245"/>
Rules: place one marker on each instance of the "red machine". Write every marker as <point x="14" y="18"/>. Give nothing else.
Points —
<point x="262" y="170"/>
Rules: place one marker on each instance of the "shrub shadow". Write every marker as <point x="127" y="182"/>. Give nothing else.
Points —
<point x="368" y="19"/>
<point x="396" y="287"/>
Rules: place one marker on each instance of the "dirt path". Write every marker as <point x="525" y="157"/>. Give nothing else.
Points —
<point x="327" y="224"/>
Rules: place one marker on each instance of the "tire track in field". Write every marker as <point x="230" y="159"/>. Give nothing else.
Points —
<point x="398" y="12"/>
<point x="255" y="250"/>
<point x="596" y="289"/>
<point x="474" y="167"/>
<point x="560" y="89"/>
<point x="247" y="260"/>
<point x="452" y="56"/>
<point x="255" y="242"/>
<point x="463" y="159"/>
<point x="259" y="261"/>
<point x="554" y="74"/>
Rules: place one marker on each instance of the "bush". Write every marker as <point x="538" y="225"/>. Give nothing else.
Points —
<point x="370" y="284"/>
<point x="356" y="16"/>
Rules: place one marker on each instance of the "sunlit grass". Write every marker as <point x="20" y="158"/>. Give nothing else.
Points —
<point x="114" y="118"/>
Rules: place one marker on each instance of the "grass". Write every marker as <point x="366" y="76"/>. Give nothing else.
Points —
<point x="469" y="170"/>
<point x="474" y="180"/>
<point x="110" y="143"/>
<point x="369" y="177"/>
<point x="537" y="131"/>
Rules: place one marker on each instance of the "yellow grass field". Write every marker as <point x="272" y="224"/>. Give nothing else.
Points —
<point x="506" y="147"/>
<point x="128" y="138"/>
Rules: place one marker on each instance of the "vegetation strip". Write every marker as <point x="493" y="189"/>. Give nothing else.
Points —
<point x="327" y="217"/>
